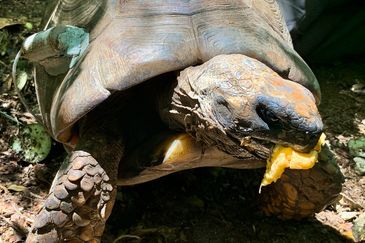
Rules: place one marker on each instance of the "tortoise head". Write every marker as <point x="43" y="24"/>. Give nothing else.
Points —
<point x="239" y="98"/>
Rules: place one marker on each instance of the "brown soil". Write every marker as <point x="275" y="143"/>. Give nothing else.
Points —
<point x="203" y="205"/>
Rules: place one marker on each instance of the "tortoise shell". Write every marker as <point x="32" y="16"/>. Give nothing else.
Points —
<point x="133" y="41"/>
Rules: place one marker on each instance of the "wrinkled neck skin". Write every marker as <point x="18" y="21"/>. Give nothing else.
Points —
<point x="242" y="106"/>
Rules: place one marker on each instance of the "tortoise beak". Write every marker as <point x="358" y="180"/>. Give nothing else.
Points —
<point x="300" y="141"/>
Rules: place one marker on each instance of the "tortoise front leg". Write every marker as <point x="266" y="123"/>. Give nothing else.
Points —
<point x="83" y="193"/>
<point x="302" y="193"/>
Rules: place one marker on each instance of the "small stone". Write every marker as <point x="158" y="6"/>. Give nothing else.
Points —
<point x="79" y="221"/>
<point x="360" y="165"/>
<point x="75" y="175"/>
<point x="358" y="228"/>
<point x="60" y="192"/>
<point x="87" y="183"/>
<point x="52" y="202"/>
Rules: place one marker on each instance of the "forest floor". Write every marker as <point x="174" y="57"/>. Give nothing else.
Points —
<point x="203" y="205"/>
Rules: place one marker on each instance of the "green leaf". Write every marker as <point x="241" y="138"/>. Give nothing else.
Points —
<point x="33" y="143"/>
<point x="357" y="147"/>
<point x="21" y="79"/>
<point x="16" y="188"/>
<point x="28" y="26"/>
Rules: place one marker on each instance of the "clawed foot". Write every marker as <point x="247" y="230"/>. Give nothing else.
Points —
<point x="78" y="205"/>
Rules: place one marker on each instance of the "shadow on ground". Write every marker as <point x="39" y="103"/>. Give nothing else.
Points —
<point x="205" y="205"/>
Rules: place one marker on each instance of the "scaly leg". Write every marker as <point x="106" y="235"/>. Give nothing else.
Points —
<point x="83" y="192"/>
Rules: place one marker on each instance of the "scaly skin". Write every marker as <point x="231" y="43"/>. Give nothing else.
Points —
<point x="83" y="193"/>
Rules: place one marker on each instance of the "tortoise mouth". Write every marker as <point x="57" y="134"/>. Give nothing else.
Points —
<point x="261" y="145"/>
<point x="260" y="148"/>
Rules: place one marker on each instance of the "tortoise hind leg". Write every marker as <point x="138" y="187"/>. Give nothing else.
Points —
<point x="302" y="193"/>
<point x="82" y="195"/>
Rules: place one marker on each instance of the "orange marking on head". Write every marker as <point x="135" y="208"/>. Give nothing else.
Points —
<point x="298" y="93"/>
<point x="304" y="103"/>
<point x="303" y="110"/>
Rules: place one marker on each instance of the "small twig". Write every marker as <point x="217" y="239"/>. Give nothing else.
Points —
<point x="10" y="118"/>
<point x="36" y="195"/>
<point x="122" y="237"/>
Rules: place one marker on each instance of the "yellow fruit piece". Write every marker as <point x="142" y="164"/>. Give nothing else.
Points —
<point x="285" y="157"/>
<point x="303" y="161"/>
<point x="180" y="145"/>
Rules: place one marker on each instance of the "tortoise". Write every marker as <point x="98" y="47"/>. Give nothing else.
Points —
<point x="165" y="86"/>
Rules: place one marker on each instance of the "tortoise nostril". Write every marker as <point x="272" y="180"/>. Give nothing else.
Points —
<point x="268" y="116"/>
